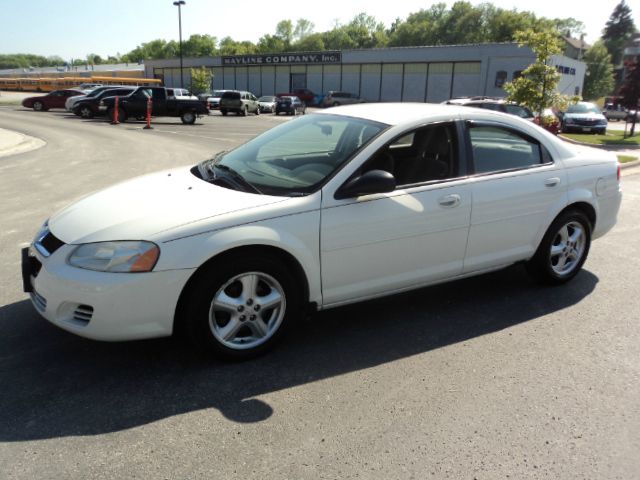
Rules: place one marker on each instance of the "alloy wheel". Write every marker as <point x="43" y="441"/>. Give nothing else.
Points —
<point x="567" y="248"/>
<point x="247" y="310"/>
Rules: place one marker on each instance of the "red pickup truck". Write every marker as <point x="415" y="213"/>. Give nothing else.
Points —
<point x="304" y="94"/>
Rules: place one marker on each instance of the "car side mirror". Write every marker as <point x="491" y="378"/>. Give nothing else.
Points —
<point x="373" y="181"/>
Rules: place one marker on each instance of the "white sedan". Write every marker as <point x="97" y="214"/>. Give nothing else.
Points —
<point x="341" y="206"/>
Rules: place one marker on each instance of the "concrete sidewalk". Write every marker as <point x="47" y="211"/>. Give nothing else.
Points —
<point x="12" y="143"/>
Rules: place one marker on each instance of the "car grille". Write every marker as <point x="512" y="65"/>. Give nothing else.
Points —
<point x="83" y="314"/>
<point x="49" y="243"/>
<point x="39" y="301"/>
<point x="586" y="122"/>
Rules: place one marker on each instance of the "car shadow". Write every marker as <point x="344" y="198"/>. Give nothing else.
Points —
<point x="55" y="384"/>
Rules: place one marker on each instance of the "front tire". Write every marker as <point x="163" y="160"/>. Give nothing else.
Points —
<point x="86" y="112"/>
<point x="38" y="106"/>
<point x="223" y="112"/>
<point x="241" y="307"/>
<point x="563" y="249"/>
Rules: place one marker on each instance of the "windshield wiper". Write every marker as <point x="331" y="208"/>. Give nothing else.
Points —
<point x="239" y="179"/>
<point x="206" y="167"/>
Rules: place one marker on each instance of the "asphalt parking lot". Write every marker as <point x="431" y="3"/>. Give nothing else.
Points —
<point x="489" y="377"/>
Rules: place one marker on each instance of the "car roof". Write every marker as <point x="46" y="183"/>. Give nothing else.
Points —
<point x="413" y="114"/>
<point x="397" y="113"/>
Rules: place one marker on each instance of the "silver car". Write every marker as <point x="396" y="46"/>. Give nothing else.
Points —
<point x="333" y="99"/>
<point x="267" y="103"/>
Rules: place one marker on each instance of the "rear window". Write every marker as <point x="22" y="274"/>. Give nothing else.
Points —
<point x="231" y="95"/>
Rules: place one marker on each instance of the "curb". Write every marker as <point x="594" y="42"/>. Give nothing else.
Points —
<point x="633" y="163"/>
<point x="611" y="148"/>
<point x="12" y="143"/>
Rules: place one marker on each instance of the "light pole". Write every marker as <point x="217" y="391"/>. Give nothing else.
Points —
<point x="179" y="4"/>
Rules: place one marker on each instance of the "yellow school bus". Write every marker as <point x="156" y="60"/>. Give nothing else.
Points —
<point x="48" y="84"/>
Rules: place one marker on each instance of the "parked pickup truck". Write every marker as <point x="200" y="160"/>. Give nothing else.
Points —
<point x="618" y="112"/>
<point x="134" y="105"/>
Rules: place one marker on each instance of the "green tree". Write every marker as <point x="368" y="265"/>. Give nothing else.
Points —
<point x="94" y="59"/>
<point x="618" y="30"/>
<point x="228" y="46"/>
<point x="55" y="60"/>
<point x="201" y="80"/>
<point x="303" y="29"/>
<point x="310" y="43"/>
<point x="200" y="46"/>
<point x="598" y="80"/>
<point x="536" y="88"/>
<point x="284" y="31"/>
<point x="270" y="44"/>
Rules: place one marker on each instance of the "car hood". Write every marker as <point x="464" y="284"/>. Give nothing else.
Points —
<point x="143" y="207"/>
<point x="585" y="116"/>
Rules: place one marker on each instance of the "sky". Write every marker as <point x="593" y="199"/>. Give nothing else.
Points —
<point x="74" y="28"/>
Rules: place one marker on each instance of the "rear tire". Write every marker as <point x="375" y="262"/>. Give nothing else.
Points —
<point x="188" y="118"/>
<point x="563" y="249"/>
<point x="223" y="112"/>
<point x="241" y="307"/>
<point x="38" y="106"/>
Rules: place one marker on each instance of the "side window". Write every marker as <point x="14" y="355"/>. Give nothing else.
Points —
<point x="423" y="155"/>
<point x="487" y="106"/>
<point x="496" y="149"/>
<point x="519" y="111"/>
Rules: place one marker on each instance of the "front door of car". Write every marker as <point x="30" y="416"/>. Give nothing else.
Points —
<point x="376" y="244"/>
<point x="57" y="99"/>
<point x="517" y="187"/>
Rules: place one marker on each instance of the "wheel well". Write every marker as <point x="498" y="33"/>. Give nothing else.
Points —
<point x="585" y="208"/>
<point x="264" y="250"/>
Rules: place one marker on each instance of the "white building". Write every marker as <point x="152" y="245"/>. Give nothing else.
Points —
<point x="408" y="74"/>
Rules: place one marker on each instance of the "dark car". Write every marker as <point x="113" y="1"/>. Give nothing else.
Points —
<point x="584" y="117"/>
<point x="55" y="99"/>
<point x="89" y="107"/>
<point x="290" y="106"/>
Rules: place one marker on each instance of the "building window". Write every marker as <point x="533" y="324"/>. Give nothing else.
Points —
<point x="501" y="77"/>
<point x="517" y="74"/>
<point x="577" y="90"/>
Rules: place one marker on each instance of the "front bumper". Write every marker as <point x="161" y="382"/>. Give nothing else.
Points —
<point x="101" y="305"/>
<point x="574" y="127"/>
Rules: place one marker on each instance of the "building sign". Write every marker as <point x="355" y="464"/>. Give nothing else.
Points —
<point x="283" y="58"/>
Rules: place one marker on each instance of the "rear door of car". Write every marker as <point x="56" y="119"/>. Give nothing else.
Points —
<point x="376" y="244"/>
<point x="517" y="184"/>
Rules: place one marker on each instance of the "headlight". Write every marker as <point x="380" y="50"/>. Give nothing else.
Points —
<point x="603" y="121"/>
<point x="124" y="256"/>
<point x="43" y="230"/>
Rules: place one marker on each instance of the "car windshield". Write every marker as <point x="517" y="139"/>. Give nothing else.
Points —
<point x="296" y="157"/>
<point x="583" y="108"/>
<point x="266" y="99"/>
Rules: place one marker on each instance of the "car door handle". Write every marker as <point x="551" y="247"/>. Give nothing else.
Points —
<point x="452" y="200"/>
<point x="552" y="182"/>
